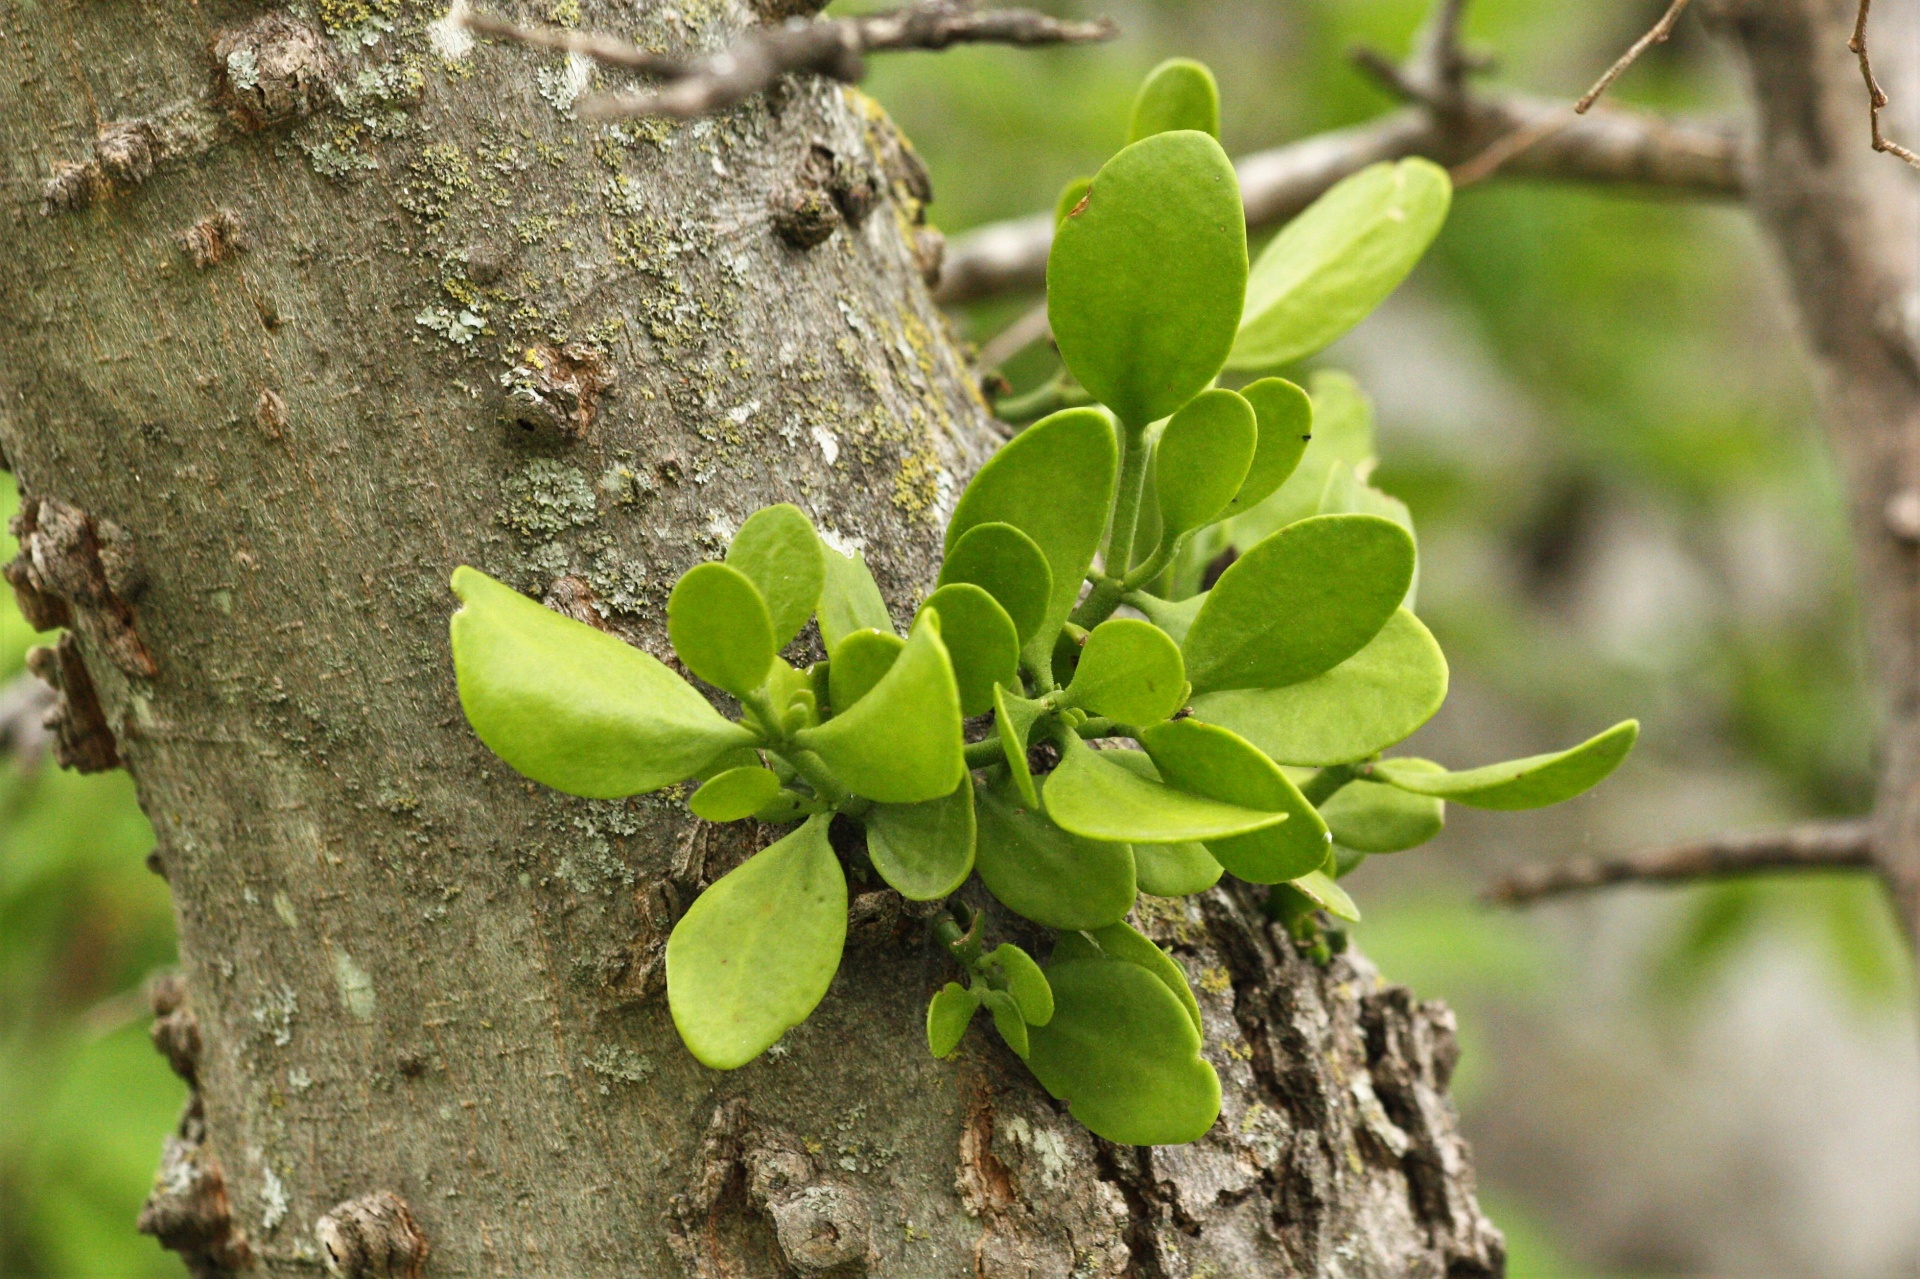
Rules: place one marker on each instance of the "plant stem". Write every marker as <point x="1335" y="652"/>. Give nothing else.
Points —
<point x="815" y="772"/>
<point x="1323" y="785"/>
<point x="981" y="754"/>
<point x="1100" y="601"/>
<point x="1126" y="507"/>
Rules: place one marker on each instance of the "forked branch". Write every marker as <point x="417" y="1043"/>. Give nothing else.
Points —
<point x="831" y="47"/>
<point x="1659" y="33"/>
<point x="1819" y="847"/>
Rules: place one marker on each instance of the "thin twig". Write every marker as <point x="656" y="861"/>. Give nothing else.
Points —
<point x="1031" y="327"/>
<point x="1821" y="847"/>
<point x="1658" y="35"/>
<point x="1508" y="146"/>
<point x="1876" y="96"/>
<point x="830" y="47"/>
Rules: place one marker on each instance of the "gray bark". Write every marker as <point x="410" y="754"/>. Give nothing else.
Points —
<point x="422" y="1006"/>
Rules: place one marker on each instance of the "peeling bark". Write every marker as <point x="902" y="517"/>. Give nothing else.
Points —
<point x="412" y="973"/>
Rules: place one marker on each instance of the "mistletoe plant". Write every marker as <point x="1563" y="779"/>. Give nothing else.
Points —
<point x="1231" y="730"/>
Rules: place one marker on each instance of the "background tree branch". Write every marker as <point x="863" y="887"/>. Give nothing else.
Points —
<point x="1819" y="847"/>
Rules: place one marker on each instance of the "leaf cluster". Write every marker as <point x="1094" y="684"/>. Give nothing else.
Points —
<point x="1220" y="724"/>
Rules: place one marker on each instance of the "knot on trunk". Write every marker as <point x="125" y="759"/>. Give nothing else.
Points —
<point x="82" y="740"/>
<point x="272" y="70"/>
<point x="214" y="239"/>
<point x="750" y="1178"/>
<point x="125" y="153"/>
<point x="372" y="1237"/>
<point x="70" y="561"/>
<point x="175" y="1030"/>
<point x="188" y="1210"/>
<point x="556" y="390"/>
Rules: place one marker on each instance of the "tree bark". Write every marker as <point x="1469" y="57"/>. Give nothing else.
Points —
<point x="308" y="321"/>
<point x="1845" y="222"/>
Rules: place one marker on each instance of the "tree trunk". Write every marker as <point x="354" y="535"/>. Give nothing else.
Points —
<point x="306" y="322"/>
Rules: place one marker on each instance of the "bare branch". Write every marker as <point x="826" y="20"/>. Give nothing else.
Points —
<point x="1876" y="96"/>
<point x="1658" y="35"/>
<point x="1820" y="847"/>
<point x="1607" y="148"/>
<point x="834" y="48"/>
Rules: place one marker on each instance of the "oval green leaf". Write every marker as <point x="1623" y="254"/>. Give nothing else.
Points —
<point x="718" y="624"/>
<point x="924" y="851"/>
<point x="849" y="600"/>
<point x="1175" y="870"/>
<point x="1177" y="94"/>
<point x="1124" y="942"/>
<point x="1533" y="782"/>
<point x="1129" y="671"/>
<point x="1094" y="797"/>
<point x="780" y="553"/>
<point x="1007" y="1019"/>
<point x="1041" y="872"/>
<point x="901" y="743"/>
<point x="982" y="641"/>
<point x="949" y="1014"/>
<point x="1339" y="260"/>
<point x="1369" y="817"/>
<point x="1374" y="699"/>
<point x="862" y="660"/>
<point x="1206" y="759"/>
<point x="1008" y="565"/>
<point x="572" y="707"/>
<point x="1124" y="1056"/>
<point x="758" y="949"/>
<point x="1025" y="982"/>
<point x="1320" y="889"/>
<point x="1284" y="414"/>
<point x="1299" y="603"/>
<point x="1147" y="276"/>
<point x="1201" y="460"/>
<point x="1053" y="482"/>
<point x="735" y="795"/>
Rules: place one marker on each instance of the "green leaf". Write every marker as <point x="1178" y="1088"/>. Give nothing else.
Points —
<point x="1202" y="460"/>
<point x="1177" y="94"/>
<point x="1069" y="198"/>
<point x="1374" y="699"/>
<point x="1175" y="618"/>
<point x="1208" y="760"/>
<point x="1175" y="870"/>
<point x="1013" y="720"/>
<point x="1041" y="872"/>
<point x="781" y="555"/>
<point x="981" y="640"/>
<point x="1053" y="482"/>
<point x="1007" y="1019"/>
<point x="924" y="851"/>
<point x="1123" y="1055"/>
<point x="1284" y="415"/>
<point x="901" y="743"/>
<point x="1339" y="260"/>
<point x="1147" y="276"/>
<point x="1533" y="782"/>
<point x="572" y="707"/>
<point x="1025" y="982"/>
<point x="1348" y="494"/>
<point x="1124" y="942"/>
<point x="1372" y="818"/>
<point x="1094" y="797"/>
<point x="1328" y="896"/>
<point x="1342" y="432"/>
<point x="1299" y="603"/>
<point x="849" y="601"/>
<point x="1008" y="565"/>
<point x="758" y="949"/>
<point x="862" y="660"/>
<point x="718" y="624"/>
<point x="787" y="806"/>
<point x="1129" y="671"/>
<point x="949" y="1014"/>
<point x="735" y="794"/>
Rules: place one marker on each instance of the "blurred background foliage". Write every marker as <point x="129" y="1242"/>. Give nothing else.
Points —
<point x="1596" y="408"/>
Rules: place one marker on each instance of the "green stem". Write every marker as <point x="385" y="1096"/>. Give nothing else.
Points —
<point x="816" y="774"/>
<point x="1099" y="726"/>
<point x="1100" y="601"/>
<point x="1126" y="507"/>
<point x="1151" y="568"/>
<point x="981" y="754"/>
<point x="1058" y="392"/>
<point x="1323" y="785"/>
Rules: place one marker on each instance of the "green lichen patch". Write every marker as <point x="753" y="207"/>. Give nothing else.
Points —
<point x="546" y="498"/>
